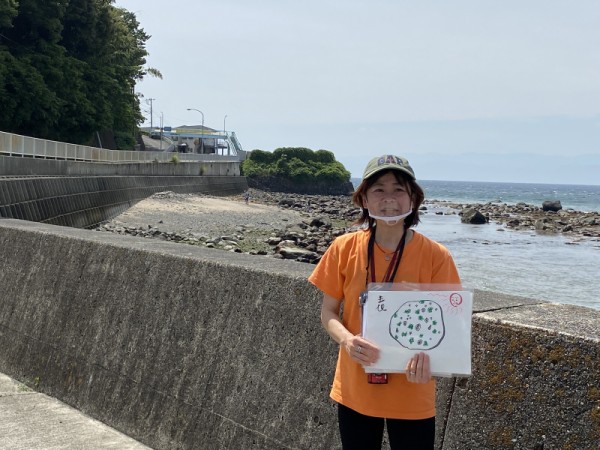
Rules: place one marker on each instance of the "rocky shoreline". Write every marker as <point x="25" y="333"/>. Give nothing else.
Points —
<point x="523" y="217"/>
<point x="517" y="217"/>
<point x="301" y="227"/>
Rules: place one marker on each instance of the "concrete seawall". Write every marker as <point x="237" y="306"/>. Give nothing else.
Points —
<point x="16" y="166"/>
<point x="81" y="195"/>
<point x="187" y="347"/>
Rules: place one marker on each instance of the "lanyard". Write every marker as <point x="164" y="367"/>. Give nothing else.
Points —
<point x="390" y="273"/>
<point x="381" y="378"/>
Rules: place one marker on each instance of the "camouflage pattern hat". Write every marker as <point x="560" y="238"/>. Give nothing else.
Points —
<point x="387" y="162"/>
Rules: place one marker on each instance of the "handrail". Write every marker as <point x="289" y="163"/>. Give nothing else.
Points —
<point x="25" y="146"/>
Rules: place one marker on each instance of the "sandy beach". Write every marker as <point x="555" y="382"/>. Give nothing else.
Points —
<point x="227" y="223"/>
<point x="207" y="215"/>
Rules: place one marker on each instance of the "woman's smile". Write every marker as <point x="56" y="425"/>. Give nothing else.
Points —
<point x="387" y="197"/>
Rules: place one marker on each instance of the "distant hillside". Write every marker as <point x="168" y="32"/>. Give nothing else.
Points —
<point x="297" y="170"/>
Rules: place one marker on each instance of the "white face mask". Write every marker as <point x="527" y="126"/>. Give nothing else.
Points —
<point x="391" y="220"/>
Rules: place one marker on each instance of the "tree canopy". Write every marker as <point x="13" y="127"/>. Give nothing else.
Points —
<point x="300" y="165"/>
<point x="68" y="69"/>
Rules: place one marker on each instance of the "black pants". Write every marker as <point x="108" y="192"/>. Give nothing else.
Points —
<point x="362" y="432"/>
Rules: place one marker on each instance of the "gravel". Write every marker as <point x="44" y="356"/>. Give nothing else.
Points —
<point x="208" y="215"/>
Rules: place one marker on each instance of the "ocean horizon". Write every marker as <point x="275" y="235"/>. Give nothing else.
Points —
<point x="579" y="197"/>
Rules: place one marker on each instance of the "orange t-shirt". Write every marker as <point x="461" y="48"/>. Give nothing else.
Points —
<point x="341" y="273"/>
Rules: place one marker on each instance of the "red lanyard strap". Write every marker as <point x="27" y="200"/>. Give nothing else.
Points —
<point x="390" y="273"/>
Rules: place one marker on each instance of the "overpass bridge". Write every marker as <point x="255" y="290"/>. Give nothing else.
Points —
<point x="201" y="140"/>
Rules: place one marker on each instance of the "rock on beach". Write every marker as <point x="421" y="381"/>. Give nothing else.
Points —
<point x="523" y="217"/>
<point x="301" y="227"/>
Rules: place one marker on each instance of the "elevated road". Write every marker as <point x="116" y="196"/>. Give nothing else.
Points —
<point x="156" y="145"/>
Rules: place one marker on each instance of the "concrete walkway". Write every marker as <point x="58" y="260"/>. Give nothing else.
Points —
<point x="31" y="421"/>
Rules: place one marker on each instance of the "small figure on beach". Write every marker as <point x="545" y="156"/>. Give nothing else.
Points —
<point x="247" y="197"/>
<point x="384" y="249"/>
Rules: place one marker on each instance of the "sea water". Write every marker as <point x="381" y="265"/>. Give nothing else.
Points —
<point x="556" y="268"/>
<point x="577" y="197"/>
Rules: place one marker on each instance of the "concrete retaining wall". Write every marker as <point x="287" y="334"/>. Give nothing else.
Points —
<point x="187" y="347"/>
<point x="18" y="166"/>
<point x="83" y="195"/>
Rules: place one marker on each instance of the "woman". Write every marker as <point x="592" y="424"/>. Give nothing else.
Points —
<point x="385" y="249"/>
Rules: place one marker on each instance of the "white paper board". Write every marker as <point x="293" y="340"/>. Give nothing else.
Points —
<point x="402" y="323"/>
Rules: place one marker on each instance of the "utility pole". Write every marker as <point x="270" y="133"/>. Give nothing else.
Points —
<point x="150" y="100"/>
<point x="161" y="129"/>
<point x="225" y="133"/>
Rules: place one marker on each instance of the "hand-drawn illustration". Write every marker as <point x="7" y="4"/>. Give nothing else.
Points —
<point x="418" y="325"/>
<point x="402" y="322"/>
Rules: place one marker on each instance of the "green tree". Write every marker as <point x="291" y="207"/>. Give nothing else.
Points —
<point x="8" y="11"/>
<point x="299" y="170"/>
<point x="68" y="69"/>
<point x="28" y="106"/>
<point x="297" y="164"/>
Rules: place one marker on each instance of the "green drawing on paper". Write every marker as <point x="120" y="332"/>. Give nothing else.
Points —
<point x="418" y="325"/>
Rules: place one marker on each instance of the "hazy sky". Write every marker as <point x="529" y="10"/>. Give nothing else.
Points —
<point x="476" y="90"/>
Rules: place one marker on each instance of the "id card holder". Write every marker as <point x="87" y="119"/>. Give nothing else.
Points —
<point x="362" y="299"/>
<point x="377" y="378"/>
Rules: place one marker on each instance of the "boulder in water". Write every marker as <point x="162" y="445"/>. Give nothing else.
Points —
<point x="551" y="205"/>
<point x="473" y="216"/>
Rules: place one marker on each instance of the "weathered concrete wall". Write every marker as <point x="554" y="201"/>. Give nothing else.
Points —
<point x="87" y="201"/>
<point x="186" y="347"/>
<point x="17" y="166"/>
<point x="82" y="195"/>
<point x="536" y="378"/>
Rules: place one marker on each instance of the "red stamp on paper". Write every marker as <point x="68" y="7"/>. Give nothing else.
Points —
<point x="456" y="299"/>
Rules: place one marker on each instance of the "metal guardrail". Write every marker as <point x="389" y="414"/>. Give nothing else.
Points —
<point x="235" y="145"/>
<point x="24" y="146"/>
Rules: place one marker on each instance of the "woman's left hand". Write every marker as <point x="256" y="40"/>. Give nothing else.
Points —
<point x="418" y="369"/>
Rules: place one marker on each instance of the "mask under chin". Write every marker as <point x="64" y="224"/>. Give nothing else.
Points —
<point x="391" y="220"/>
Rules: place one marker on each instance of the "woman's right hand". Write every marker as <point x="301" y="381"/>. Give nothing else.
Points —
<point x="361" y="350"/>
